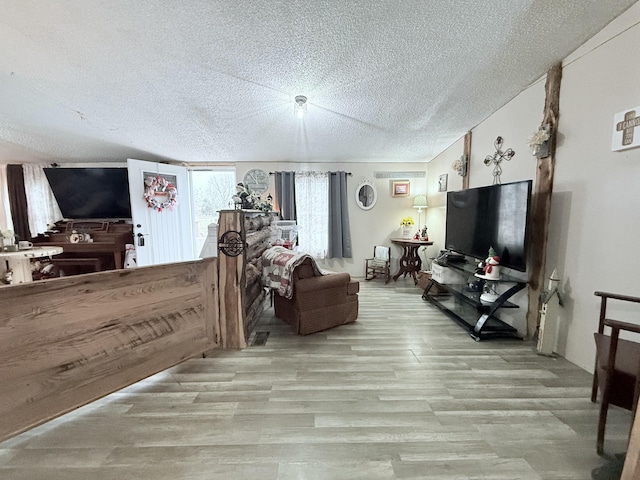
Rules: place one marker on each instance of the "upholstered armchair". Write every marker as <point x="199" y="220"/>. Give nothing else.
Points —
<point x="318" y="300"/>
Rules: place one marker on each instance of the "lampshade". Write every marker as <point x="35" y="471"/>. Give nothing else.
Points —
<point x="300" y="107"/>
<point x="420" y="202"/>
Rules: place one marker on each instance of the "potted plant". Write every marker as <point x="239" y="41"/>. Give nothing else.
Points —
<point x="406" y="223"/>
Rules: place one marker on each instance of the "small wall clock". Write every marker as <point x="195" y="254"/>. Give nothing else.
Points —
<point x="256" y="180"/>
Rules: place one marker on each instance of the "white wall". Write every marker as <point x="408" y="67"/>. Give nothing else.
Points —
<point x="368" y="227"/>
<point x="595" y="224"/>
<point x="441" y="165"/>
<point x="596" y="209"/>
<point x="514" y="123"/>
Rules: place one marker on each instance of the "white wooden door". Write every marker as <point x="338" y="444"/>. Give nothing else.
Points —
<point x="161" y="235"/>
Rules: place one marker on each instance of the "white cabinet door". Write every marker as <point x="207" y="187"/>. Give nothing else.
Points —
<point x="161" y="235"/>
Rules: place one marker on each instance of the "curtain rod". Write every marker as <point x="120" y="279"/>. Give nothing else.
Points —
<point x="348" y="173"/>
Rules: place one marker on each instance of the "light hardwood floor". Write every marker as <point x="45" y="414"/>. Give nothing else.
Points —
<point x="402" y="393"/>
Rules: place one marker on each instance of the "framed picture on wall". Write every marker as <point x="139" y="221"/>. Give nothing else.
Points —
<point x="400" y="188"/>
<point x="442" y="182"/>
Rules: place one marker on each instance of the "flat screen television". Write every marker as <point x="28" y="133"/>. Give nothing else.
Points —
<point x="493" y="216"/>
<point x="91" y="193"/>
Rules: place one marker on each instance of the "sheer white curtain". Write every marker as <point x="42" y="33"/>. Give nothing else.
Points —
<point x="6" y="223"/>
<point x="42" y="206"/>
<point x="312" y="212"/>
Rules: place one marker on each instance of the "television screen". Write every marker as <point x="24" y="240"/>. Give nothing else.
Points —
<point x="494" y="216"/>
<point x="91" y="193"/>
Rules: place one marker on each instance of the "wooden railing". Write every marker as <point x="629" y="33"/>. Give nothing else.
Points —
<point x="68" y="341"/>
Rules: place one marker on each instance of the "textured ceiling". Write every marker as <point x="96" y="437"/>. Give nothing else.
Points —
<point x="214" y="80"/>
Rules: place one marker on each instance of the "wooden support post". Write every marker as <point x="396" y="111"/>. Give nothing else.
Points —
<point x="244" y="236"/>
<point x="541" y="200"/>
<point x="467" y="151"/>
<point x="631" y="468"/>
<point x="231" y="278"/>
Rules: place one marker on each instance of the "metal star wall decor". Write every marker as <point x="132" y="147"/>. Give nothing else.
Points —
<point x="497" y="158"/>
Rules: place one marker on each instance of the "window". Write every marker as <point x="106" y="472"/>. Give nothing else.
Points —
<point x="41" y="203"/>
<point x="212" y="191"/>
<point x="312" y="212"/>
<point x="320" y="208"/>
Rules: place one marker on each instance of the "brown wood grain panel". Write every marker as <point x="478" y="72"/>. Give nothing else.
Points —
<point x="252" y="292"/>
<point x="68" y="341"/>
<point x="631" y="470"/>
<point x="231" y="281"/>
<point x="253" y="313"/>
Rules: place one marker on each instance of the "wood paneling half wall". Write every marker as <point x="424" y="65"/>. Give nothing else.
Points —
<point x="68" y="341"/>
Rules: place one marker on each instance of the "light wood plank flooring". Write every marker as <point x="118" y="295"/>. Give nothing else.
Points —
<point x="402" y="393"/>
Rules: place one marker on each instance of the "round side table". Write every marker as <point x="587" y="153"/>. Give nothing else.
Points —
<point x="410" y="263"/>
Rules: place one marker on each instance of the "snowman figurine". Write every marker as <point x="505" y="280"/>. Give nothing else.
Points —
<point x="491" y="266"/>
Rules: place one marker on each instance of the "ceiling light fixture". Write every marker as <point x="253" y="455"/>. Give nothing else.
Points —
<point x="300" y="107"/>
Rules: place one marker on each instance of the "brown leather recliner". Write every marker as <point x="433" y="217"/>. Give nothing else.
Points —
<point x="319" y="302"/>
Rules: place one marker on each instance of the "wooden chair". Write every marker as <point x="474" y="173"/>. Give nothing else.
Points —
<point x="379" y="264"/>
<point x="617" y="369"/>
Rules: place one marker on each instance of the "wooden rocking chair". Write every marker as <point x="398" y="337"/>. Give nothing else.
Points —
<point x="379" y="264"/>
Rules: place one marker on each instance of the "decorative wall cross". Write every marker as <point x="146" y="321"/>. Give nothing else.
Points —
<point x="627" y="125"/>
<point x="497" y="158"/>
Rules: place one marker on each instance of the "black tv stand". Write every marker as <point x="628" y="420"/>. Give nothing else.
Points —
<point x="448" y="256"/>
<point x="464" y="305"/>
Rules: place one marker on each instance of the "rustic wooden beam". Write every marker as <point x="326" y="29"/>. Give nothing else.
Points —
<point x="241" y="290"/>
<point x="631" y="467"/>
<point x="541" y="200"/>
<point x="466" y="150"/>
<point x="231" y="281"/>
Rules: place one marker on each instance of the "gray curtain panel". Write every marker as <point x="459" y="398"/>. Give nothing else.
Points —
<point x="18" y="202"/>
<point x="339" y="231"/>
<point x="286" y="194"/>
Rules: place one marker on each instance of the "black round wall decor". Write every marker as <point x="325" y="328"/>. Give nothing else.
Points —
<point x="231" y="244"/>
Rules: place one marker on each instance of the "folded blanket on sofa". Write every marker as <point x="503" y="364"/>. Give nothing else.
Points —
<point x="278" y="264"/>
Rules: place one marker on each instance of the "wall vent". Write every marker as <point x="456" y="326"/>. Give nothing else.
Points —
<point x="399" y="174"/>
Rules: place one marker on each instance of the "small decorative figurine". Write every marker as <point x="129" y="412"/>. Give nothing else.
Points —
<point x="8" y="277"/>
<point x="490" y="267"/>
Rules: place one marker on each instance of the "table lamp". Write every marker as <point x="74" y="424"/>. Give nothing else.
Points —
<point x="420" y="202"/>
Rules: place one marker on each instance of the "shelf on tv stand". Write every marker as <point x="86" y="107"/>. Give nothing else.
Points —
<point x="468" y="310"/>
